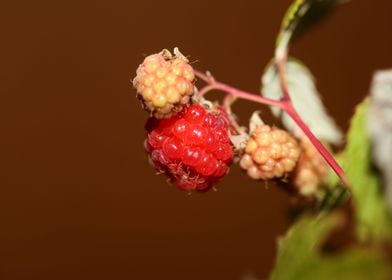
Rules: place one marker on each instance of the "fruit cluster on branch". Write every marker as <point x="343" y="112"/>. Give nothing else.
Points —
<point x="193" y="141"/>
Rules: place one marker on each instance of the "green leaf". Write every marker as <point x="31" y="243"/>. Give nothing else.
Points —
<point x="373" y="219"/>
<point x="301" y="14"/>
<point x="299" y="255"/>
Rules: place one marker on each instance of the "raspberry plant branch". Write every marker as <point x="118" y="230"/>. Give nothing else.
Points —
<point x="289" y="109"/>
<point x="213" y="84"/>
<point x="291" y="21"/>
<point x="285" y="104"/>
<point x="281" y="58"/>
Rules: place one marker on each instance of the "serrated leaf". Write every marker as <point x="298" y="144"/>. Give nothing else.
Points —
<point x="373" y="219"/>
<point x="299" y="255"/>
<point x="380" y="128"/>
<point x="301" y="14"/>
<point x="306" y="101"/>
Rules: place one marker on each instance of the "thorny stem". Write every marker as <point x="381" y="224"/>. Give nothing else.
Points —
<point x="285" y="104"/>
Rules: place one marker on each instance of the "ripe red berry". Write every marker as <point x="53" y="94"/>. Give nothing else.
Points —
<point x="192" y="148"/>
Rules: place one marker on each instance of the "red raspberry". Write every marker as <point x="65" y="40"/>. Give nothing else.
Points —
<point x="164" y="83"/>
<point x="192" y="148"/>
<point x="270" y="153"/>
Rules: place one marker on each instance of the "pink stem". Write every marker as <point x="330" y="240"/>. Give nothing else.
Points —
<point x="289" y="109"/>
<point x="204" y="77"/>
<point x="285" y="104"/>
<point x="240" y="94"/>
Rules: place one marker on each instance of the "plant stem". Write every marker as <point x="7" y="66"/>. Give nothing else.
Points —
<point x="280" y="58"/>
<point x="212" y="84"/>
<point x="285" y="104"/>
<point x="289" y="109"/>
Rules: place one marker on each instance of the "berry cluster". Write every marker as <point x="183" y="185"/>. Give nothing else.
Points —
<point x="193" y="141"/>
<point x="192" y="148"/>
<point x="164" y="83"/>
<point x="270" y="153"/>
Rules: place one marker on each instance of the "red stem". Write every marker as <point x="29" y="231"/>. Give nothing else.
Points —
<point x="285" y="104"/>
<point x="289" y="109"/>
<point x="212" y="84"/>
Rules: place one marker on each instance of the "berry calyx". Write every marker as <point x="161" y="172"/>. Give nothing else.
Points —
<point x="164" y="83"/>
<point x="270" y="153"/>
<point x="192" y="148"/>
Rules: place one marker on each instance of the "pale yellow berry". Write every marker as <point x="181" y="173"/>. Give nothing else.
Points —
<point x="159" y="100"/>
<point x="182" y="86"/>
<point x="251" y="146"/>
<point x="253" y="172"/>
<point x="278" y="136"/>
<point x="246" y="161"/>
<point x="270" y="151"/>
<point x="188" y="74"/>
<point x="275" y="150"/>
<point x="161" y="72"/>
<point x="154" y="58"/>
<point x="159" y="87"/>
<point x="267" y="168"/>
<point x="285" y="151"/>
<point x="149" y="80"/>
<point x="263" y="139"/>
<point x="172" y="95"/>
<point x="279" y="169"/>
<point x="260" y="156"/>
<point x="148" y="93"/>
<point x="177" y="70"/>
<point x="164" y="83"/>
<point x="288" y="163"/>
<point x="293" y="153"/>
<point x="171" y="79"/>
<point x="152" y="66"/>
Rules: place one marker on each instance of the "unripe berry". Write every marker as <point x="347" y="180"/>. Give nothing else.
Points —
<point x="270" y="153"/>
<point x="192" y="148"/>
<point x="311" y="169"/>
<point x="164" y="83"/>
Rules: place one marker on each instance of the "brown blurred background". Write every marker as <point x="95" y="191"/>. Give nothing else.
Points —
<point x="78" y="199"/>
